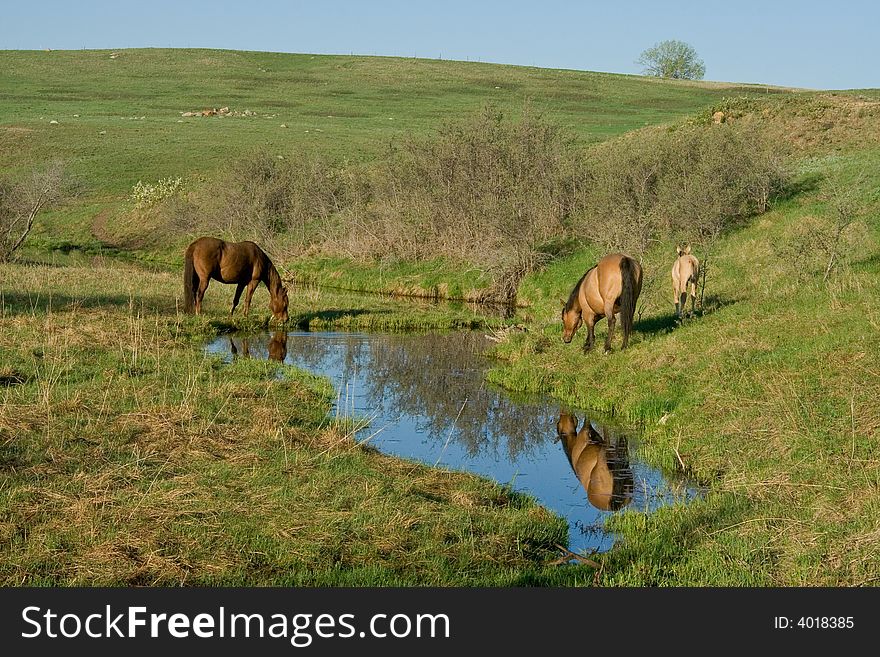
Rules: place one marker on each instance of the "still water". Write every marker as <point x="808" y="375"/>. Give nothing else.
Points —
<point x="426" y="399"/>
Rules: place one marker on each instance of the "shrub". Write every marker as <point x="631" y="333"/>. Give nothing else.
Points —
<point x="146" y="195"/>
<point x="501" y="195"/>
<point x="264" y="195"/>
<point x="21" y="202"/>
<point x="487" y="191"/>
<point x="686" y="184"/>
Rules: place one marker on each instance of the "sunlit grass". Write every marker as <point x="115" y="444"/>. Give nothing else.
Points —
<point x="768" y="397"/>
<point x="130" y="456"/>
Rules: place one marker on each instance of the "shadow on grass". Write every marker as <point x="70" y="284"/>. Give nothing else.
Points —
<point x="869" y="264"/>
<point x="715" y="302"/>
<point x="29" y="303"/>
<point x="668" y="322"/>
<point x="304" y="321"/>
<point x="656" y="325"/>
<point x="808" y="182"/>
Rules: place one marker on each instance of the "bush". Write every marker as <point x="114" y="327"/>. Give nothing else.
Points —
<point x="263" y="195"/>
<point x="146" y="195"/>
<point x="21" y="201"/>
<point x="501" y="195"/>
<point x="487" y="192"/>
<point x="687" y="184"/>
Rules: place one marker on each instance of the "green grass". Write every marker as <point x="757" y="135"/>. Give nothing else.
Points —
<point x="119" y="120"/>
<point x="345" y="106"/>
<point x="179" y="469"/>
<point x="130" y="457"/>
<point x="768" y="398"/>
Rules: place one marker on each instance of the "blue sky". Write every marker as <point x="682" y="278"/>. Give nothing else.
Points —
<point x="829" y="45"/>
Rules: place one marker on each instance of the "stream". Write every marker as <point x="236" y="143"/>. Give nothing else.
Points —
<point x="426" y="399"/>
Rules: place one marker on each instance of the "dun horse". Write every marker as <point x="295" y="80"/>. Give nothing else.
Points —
<point x="611" y="286"/>
<point x="242" y="263"/>
<point x="685" y="272"/>
<point x="602" y="469"/>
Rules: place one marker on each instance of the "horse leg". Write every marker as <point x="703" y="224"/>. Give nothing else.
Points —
<point x="675" y="296"/>
<point x="200" y="293"/>
<point x="238" y="290"/>
<point x="693" y="296"/>
<point x="612" y="321"/>
<point x="590" y="321"/>
<point x="247" y="297"/>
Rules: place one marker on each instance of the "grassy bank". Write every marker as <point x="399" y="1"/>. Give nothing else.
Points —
<point x="130" y="457"/>
<point x="768" y="397"/>
<point x="115" y="118"/>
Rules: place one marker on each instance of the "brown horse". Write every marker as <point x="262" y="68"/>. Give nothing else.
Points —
<point x="685" y="272"/>
<point x="242" y="263"/>
<point x="611" y="286"/>
<point x="602" y="469"/>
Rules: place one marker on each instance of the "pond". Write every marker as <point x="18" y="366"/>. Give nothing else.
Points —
<point x="426" y="399"/>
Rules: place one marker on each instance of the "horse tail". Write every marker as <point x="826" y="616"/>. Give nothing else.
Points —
<point x="627" y="294"/>
<point x="190" y="281"/>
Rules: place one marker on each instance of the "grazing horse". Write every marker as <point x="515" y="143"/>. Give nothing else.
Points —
<point x="602" y="469"/>
<point x="242" y="263"/>
<point x="611" y="286"/>
<point x="685" y="272"/>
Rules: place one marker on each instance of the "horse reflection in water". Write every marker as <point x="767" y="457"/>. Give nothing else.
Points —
<point x="601" y="466"/>
<point x="277" y="348"/>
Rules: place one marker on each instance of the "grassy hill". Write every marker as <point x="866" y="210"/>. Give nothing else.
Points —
<point x="119" y="113"/>
<point x="768" y="396"/>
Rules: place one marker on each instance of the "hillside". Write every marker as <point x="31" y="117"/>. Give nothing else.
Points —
<point x="119" y="113"/>
<point x="767" y="397"/>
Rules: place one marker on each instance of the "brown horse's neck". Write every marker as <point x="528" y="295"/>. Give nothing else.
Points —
<point x="272" y="278"/>
<point x="574" y="302"/>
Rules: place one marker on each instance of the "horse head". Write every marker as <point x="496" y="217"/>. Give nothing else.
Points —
<point x="567" y="425"/>
<point x="278" y="305"/>
<point x="571" y="321"/>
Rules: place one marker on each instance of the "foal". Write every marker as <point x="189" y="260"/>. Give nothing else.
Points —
<point x="685" y="272"/>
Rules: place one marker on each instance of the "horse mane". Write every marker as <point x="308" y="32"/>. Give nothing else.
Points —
<point x="273" y="278"/>
<point x="574" y="292"/>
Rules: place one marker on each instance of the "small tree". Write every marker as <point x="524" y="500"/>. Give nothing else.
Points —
<point x="672" y="59"/>
<point x="829" y="241"/>
<point x="21" y="202"/>
<point x="848" y="203"/>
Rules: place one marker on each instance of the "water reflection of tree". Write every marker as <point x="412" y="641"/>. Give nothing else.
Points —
<point x="440" y="378"/>
<point x="346" y="355"/>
